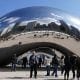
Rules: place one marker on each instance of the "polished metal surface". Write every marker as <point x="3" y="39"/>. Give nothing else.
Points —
<point x="24" y="30"/>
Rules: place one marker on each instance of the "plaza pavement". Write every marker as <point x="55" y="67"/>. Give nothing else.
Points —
<point x="24" y="75"/>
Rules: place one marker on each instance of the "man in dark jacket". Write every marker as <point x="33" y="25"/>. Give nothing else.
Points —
<point x="78" y="67"/>
<point x="55" y="65"/>
<point x="73" y="64"/>
<point x="67" y="67"/>
<point x="33" y="64"/>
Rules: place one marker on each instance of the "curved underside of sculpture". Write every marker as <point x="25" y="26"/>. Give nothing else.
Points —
<point x="8" y="52"/>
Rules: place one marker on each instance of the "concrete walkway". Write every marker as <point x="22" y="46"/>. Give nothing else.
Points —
<point x="24" y="75"/>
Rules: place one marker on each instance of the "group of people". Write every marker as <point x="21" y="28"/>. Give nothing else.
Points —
<point x="70" y="63"/>
<point x="67" y="63"/>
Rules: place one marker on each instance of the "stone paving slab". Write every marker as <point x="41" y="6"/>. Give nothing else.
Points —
<point x="24" y="75"/>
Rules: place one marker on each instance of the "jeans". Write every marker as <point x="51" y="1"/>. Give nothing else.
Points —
<point x="55" y="68"/>
<point x="13" y="67"/>
<point x="33" y="68"/>
<point x="48" y="70"/>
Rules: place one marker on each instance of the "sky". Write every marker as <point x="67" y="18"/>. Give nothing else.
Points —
<point x="70" y="6"/>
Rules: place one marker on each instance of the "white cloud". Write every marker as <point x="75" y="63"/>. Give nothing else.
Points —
<point x="75" y="22"/>
<point x="11" y="19"/>
<point x="8" y="29"/>
<point x="3" y="18"/>
<point x="57" y="16"/>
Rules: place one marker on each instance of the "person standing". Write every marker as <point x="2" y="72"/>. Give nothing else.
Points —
<point x="40" y="62"/>
<point x="67" y="67"/>
<point x="47" y="62"/>
<point x="55" y="65"/>
<point x="73" y="64"/>
<point x="33" y="64"/>
<point x="43" y="59"/>
<point x="25" y="61"/>
<point x="78" y="67"/>
<point x="62" y="64"/>
<point x="14" y="61"/>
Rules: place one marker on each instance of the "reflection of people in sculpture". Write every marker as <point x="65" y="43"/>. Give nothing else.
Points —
<point x="40" y="62"/>
<point x="25" y="61"/>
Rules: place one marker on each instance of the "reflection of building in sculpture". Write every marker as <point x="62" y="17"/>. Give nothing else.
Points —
<point x="23" y="30"/>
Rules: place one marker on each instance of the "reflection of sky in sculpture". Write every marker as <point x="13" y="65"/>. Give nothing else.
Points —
<point x="33" y="13"/>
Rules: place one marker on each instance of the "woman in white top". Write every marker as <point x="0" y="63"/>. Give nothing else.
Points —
<point x="47" y="62"/>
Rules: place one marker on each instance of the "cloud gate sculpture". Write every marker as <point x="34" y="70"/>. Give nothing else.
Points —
<point x="33" y="27"/>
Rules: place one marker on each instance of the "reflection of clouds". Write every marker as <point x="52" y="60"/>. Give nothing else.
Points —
<point x="3" y="18"/>
<point x="45" y="20"/>
<point x="11" y="19"/>
<point x="70" y="20"/>
<point x="8" y="29"/>
<point x="74" y="21"/>
<point x="0" y="24"/>
<point x="26" y="22"/>
<point x="60" y="17"/>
